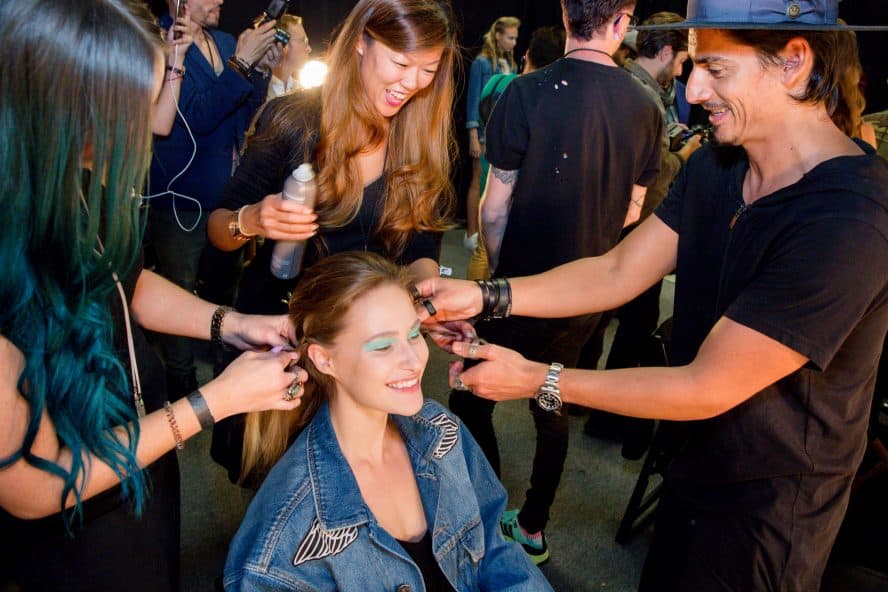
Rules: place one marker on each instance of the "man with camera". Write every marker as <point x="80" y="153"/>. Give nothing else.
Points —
<point x="224" y="81"/>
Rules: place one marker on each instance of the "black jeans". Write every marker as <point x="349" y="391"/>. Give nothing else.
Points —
<point x="542" y="340"/>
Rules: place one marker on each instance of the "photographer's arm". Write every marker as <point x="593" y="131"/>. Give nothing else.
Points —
<point x="165" y="107"/>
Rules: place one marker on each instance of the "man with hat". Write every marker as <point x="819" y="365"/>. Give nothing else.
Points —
<point x="779" y="239"/>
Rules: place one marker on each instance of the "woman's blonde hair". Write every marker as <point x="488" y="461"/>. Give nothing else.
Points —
<point x="848" y="114"/>
<point x="419" y="137"/>
<point x="490" y="49"/>
<point x="318" y="308"/>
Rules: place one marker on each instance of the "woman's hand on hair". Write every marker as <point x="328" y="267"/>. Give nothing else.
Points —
<point x="255" y="381"/>
<point x="257" y="332"/>
<point x="503" y="375"/>
<point x="280" y="219"/>
<point x="453" y="300"/>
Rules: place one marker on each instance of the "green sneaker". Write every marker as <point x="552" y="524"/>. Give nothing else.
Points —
<point x="538" y="551"/>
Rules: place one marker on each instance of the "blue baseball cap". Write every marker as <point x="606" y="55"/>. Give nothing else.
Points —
<point x="802" y="15"/>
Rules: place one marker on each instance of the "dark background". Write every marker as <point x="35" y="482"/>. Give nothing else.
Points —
<point x="476" y="16"/>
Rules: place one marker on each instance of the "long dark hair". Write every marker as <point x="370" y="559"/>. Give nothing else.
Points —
<point x="76" y="85"/>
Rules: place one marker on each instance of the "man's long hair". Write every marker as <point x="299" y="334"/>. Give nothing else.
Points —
<point x="76" y="85"/>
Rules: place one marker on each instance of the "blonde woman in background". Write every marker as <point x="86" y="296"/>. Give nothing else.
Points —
<point x="285" y="76"/>
<point x="848" y="114"/>
<point x="496" y="57"/>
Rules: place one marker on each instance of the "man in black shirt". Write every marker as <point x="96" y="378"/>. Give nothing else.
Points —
<point x="572" y="146"/>
<point x="779" y="239"/>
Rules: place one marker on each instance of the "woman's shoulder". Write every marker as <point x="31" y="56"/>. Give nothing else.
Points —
<point x="432" y="410"/>
<point x="12" y="363"/>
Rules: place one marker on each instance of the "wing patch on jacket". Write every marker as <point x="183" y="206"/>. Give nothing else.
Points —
<point x="450" y="437"/>
<point x="320" y="543"/>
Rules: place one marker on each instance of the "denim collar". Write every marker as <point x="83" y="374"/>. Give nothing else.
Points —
<point x="337" y="495"/>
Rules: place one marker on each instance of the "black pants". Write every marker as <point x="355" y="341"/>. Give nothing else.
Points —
<point x="542" y="340"/>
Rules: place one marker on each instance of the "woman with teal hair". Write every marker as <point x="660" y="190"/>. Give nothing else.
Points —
<point x="89" y="496"/>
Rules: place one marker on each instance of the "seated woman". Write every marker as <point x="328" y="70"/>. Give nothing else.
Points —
<point x="380" y="486"/>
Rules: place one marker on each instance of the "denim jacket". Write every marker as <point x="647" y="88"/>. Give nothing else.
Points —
<point x="479" y="73"/>
<point x="308" y="528"/>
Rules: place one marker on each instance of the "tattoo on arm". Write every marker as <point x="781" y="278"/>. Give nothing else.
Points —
<point x="507" y="177"/>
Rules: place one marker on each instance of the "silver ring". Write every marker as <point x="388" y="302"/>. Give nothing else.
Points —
<point x="459" y="385"/>
<point x="293" y="390"/>
<point x="472" y="352"/>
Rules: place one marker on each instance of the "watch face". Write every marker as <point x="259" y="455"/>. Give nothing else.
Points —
<point x="548" y="401"/>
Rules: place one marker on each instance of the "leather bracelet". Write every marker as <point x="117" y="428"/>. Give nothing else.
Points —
<point x="239" y="66"/>
<point x="201" y="409"/>
<point x="174" y="427"/>
<point x="216" y="326"/>
<point x="503" y="305"/>
<point x="496" y="298"/>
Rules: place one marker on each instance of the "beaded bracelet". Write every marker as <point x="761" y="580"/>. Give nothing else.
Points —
<point x="175" y="70"/>
<point x="216" y="326"/>
<point x="177" y="435"/>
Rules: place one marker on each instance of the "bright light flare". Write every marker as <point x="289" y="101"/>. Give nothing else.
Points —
<point x="312" y="74"/>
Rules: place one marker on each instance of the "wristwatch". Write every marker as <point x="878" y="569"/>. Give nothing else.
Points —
<point x="234" y="227"/>
<point x="549" y="395"/>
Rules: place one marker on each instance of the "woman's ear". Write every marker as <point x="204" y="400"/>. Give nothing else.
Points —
<point x="321" y="359"/>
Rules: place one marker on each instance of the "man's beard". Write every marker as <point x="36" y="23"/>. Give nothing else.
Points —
<point x="665" y="77"/>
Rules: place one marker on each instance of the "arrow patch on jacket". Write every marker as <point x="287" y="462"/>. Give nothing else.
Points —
<point x="320" y="543"/>
<point x="450" y="437"/>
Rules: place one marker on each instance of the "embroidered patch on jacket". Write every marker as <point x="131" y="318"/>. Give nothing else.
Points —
<point x="320" y="543"/>
<point x="450" y="437"/>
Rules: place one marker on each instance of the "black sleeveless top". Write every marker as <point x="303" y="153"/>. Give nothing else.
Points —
<point x="424" y="558"/>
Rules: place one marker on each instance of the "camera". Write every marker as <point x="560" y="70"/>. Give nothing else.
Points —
<point x="679" y="135"/>
<point x="275" y="10"/>
<point x="180" y="12"/>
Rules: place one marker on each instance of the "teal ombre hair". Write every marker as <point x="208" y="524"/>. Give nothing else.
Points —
<point x="76" y="89"/>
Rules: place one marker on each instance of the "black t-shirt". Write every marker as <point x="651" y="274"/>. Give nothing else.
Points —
<point x="263" y="171"/>
<point x="581" y="134"/>
<point x="422" y="554"/>
<point x="807" y="266"/>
